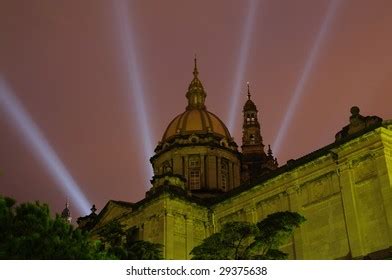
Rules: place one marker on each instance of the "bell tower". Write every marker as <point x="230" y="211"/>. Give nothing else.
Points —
<point x="255" y="162"/>
<point x="252" y="142"/>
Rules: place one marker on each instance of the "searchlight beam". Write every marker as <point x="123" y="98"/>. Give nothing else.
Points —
<point x="306" y="72"/>
<point x="40" y="147"/>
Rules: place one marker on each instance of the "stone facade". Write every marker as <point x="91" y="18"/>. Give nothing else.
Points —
<point x="345" y="194"/>
<point x="344" y="190"/>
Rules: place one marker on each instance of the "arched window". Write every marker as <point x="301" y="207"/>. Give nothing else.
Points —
<point x="194" y="172"/>
<point x="224" y="175"/>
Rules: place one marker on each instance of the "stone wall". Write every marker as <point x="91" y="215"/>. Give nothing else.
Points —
<point x="177" y="224"/>
<point x="346" y="197"/>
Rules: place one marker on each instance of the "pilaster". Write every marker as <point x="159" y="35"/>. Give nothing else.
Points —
<point x="189" y="235"/>
<point x="230" y="175"/>
<point x="186" y="175"/>
<point x="350" y="210"/>
<point x="382" y="159"/>
<point x="218" y="173"/>
<point x="295" y="206"/>
<point x="202" y="173"/>
<point x="169" y="236"/>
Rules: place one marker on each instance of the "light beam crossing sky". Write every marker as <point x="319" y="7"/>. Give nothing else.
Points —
<point x="134" y="81"/>
<point x="40" y="147"/>
<point x="305" y="74"/>
<point x="242" y="62"/>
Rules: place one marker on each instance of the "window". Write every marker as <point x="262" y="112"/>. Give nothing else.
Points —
<point x="194" y="179"/>
<point x="224" y="175"/>
<point x="252" y="139"/>
<point x="194" y="172"/>
<point x="194" y="161"/>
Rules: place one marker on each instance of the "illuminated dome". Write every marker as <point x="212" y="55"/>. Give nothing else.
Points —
<point x="196" y="121"/>
<point x="196" y="125"/>
<point x="196" y="152"/>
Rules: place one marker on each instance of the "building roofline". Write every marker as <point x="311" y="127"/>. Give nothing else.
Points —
<point x="295" y="163"/>
<point x="209" y="202"/>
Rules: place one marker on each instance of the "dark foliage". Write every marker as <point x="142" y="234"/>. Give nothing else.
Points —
<point x="27" y="231"/>
<point x="242" y="240"/>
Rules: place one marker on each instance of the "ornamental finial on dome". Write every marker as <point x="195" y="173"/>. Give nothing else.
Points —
<point x="195" y="71"/>
<point x="196" y="94"/>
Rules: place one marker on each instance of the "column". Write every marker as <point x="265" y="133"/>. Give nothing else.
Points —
<point x="350" y="210"/>
<point x="189" y="236"/>
<point x="169" y="236"/>
<point x="186" y="172"/>
<point x="218" y="173"/>
<point x="295" y="206"/>
<point x="211" y="169"/>
<point x="202" y="173"/>
<point x="231" y="177"/>
<point x="383" y="161"/>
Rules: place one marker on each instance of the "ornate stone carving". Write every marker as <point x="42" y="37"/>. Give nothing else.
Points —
<point x="357" y="124"/>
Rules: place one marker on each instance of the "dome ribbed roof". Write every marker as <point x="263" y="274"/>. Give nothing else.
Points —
<point x="196" y="121"/>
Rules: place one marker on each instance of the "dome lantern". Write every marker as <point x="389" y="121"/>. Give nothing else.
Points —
<point x="196" y="94"/>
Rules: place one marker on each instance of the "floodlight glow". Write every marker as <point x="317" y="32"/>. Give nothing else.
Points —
<point x="40" y="147"/>
<point x="242" y="62"/>
<point x="299" y="89"/>
<point x="136" y="99"/>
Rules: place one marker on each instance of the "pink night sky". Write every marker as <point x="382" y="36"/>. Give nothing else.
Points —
<point x="80" y="69"/>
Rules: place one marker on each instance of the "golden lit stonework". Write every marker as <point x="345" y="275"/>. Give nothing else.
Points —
<point x="201" y="181"/>
<point x="198" y="147"/>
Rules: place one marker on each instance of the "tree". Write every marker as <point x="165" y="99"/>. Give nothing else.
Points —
<point x="27" y="231"/>
<point x="273" y="232"/>
<point x="231" y="243"/>
<point x="242" y="240"/>
<point x="112" y="237"/>
<point x="143" y="250"/>
<point x="124" y="244"/>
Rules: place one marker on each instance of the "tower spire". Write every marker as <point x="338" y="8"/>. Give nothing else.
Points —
<point x="247" y="83"/>
<point x="66" y="214"/>
<point x="269" y="151"/>
<point x="255" y="161"/>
